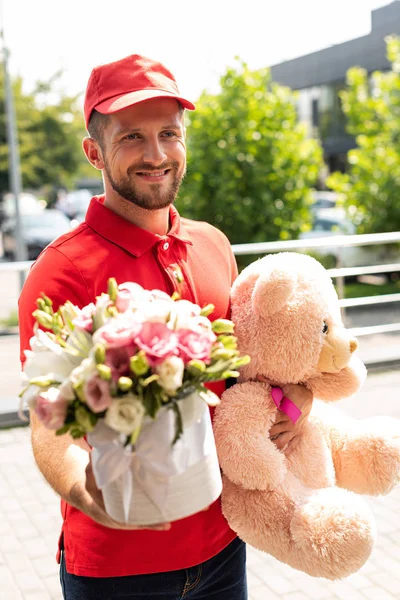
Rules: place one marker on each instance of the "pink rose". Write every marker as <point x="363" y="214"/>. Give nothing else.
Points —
<point x="117" y="335"/>
<point x="118" y="359"/>
<point x="157" y="341"/>
<point x="123" y="300"/>
<point x="195" y="344"/>
<point x="158" y="295"/>
<point x="97" y="394"/>
<point x="50" y="408"/>
<point x="85" y="319"/>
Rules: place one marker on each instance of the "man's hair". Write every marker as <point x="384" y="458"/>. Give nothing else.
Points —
<point x="97" y="124"/>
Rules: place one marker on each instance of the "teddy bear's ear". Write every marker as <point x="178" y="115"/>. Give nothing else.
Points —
<point x="272" y="290"/>
<point x="335" y="386"/>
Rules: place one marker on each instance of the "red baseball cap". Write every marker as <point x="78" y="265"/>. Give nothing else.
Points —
<point x="133" y="79"/>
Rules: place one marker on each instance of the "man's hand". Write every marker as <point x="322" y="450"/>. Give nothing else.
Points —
<point x="97" y="512"/>
<point x="284" y="433"/>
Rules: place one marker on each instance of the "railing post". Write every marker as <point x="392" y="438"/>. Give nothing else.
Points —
<point x="340" y="282"/>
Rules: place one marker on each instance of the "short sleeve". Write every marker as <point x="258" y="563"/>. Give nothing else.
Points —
<point x="55" y="275"/>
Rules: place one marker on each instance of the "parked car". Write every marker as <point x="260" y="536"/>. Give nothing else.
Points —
<point x="323" y="200"/>
<point x="331" y="222"/>
<point x="28" y="204"/>
<point x="38" y="230"/>
<point x="74" y="204"/>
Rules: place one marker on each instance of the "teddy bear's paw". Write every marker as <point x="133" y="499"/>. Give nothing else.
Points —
<point x="369" y="461"/>
<point x="260" y="471"/>
<point x="333" y="534"/>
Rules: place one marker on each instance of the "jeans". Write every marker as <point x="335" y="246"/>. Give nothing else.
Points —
<point x="223" y="577"/>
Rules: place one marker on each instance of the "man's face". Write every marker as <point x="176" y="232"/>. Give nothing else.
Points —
<point x="144" y="152"/>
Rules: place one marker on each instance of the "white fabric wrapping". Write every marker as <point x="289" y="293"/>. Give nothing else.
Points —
<point x="158" y="482"/>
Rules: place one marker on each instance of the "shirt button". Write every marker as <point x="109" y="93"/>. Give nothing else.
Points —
<point x="166" y="246"/>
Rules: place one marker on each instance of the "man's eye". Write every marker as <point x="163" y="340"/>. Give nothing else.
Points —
<point x="325" y="327"/>
<point x="132" y="136"/>
<point x="169" y="134"/>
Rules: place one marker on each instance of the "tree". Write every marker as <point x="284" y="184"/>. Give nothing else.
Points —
<point x="250" y="164"/>
<point x="371" y="188"/>
<point x="49" y="133"/>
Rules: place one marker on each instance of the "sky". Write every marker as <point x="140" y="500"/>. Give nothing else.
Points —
<point x="196" y="41"/>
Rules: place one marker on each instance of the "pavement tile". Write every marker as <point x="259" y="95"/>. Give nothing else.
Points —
<point x="6" y="577"/>
<point x="388" y="583"/>
<point x="344" y="591"/>
<point x="10" y="593"/>
<point x="52" y="585"/>
<point x="30" y="524"/>
<point x="359" y="581"/>
<point x="28" y="581"/>
<point x="17" y="562"/>
<point x="315" y="589"/>
<point x="252" y="579"/>
<point x="262" y="593"/>
<point x="9" y="543"/>
<point x="278" y="584"/>
<point x="295" y="596"/>
<point x="42" y="595"/>
<point x="377" y="593"/>
<point x="44" y="566"/>
<point x="36" y="548"/>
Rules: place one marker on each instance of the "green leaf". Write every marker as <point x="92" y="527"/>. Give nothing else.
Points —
<point x="178" y="422"/>
<point x="151" y="400"/>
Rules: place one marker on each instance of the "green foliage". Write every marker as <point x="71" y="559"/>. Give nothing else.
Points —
<point x="359" y="290"/>
<point x="11" y="320"/>
<point x="371" y="188"/>
<point x="50" y="132"/>
<point x="250" y="163"/>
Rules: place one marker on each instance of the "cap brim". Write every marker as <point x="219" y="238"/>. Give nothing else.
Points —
<point x="117" y="103"/>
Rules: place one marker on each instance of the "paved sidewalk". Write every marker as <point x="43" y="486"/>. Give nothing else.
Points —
<point x="30" y="521"/>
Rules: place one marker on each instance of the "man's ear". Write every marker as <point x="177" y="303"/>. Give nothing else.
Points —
<point x="93" y="153"/>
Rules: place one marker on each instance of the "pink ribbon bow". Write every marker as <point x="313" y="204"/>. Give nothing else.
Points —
<point x="285" y="404"/>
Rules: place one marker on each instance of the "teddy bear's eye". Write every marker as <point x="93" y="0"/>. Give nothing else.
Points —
<point x="325" y="327"/>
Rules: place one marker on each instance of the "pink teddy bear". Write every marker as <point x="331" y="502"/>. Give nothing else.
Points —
<point x="303" y="508"/>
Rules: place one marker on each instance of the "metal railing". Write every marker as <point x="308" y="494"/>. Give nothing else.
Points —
<point x="339" y="273"/>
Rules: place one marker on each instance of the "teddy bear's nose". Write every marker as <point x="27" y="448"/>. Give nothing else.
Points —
<point x="353" y="345"/>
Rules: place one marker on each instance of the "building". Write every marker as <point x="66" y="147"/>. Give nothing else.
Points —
<point x="321" y="75"/>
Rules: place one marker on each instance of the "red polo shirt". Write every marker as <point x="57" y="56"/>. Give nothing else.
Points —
<point x="194" y="259"/>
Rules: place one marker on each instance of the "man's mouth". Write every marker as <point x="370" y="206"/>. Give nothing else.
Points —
<point x="153" y="174"/>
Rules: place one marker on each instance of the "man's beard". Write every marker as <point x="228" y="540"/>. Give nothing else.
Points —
<point x="153" y="200"/>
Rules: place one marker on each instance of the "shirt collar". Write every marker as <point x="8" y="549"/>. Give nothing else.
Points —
<point x="121" y="232"/>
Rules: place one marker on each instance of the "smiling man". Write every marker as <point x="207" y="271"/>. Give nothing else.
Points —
<point x="135" y="118"/>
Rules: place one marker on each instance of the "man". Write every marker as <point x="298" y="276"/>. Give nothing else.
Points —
<point x="135" y="118"/>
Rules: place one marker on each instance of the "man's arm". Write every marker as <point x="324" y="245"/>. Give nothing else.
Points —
<point x="65" y="464"/>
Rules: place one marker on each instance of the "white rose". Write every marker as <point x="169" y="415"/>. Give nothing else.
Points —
<point x="125" y="414"/>
<point x="46" y="357"/>
<point x="183" y="313"/>
<point x="83" y="372"/>
<point x="170" y="373"/>
<point x="101" y="317"/>
<point x="157" y="311"/>
<point x="188" y="308"/>
<point x="80" y="341"/>
<point x="200" y="324"/>
<point x="136" y="291"/>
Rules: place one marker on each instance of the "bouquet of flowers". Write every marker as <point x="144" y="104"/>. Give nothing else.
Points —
<point x="128" y="372"/>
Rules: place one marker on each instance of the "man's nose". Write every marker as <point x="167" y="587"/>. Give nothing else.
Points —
<point x="154" y="153"/>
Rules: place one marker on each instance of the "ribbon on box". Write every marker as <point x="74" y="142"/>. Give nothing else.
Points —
<point x="153" y="461"/>
<point x="284" y="404"/>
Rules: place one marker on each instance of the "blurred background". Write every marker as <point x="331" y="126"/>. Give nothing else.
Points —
<point x="295" y="145"/>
